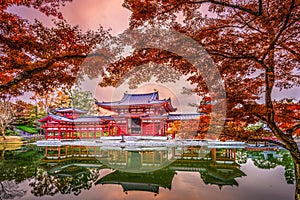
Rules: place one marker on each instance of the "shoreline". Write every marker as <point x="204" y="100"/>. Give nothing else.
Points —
<point x="134" y="142"/>
<point x="11" y="140"/>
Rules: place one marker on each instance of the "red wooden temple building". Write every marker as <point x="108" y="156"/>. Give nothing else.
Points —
<point x="135" y="114"/>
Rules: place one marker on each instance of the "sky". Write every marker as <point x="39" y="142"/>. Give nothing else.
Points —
<point x="110" y="14"/>
<point x="87" y="14"/>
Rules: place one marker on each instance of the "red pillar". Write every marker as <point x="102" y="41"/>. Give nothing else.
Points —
<point x="67" y="133"/>
<point x="72" y="133"/>
<point x="161" y="127"/>
<point x="59" y="132"/>
<point x="47" y="134"/>
<point x="142" y="127"/>
<point x="108" y="129"/>
<point x="126" y="129"/>
<point x="153" y="128"/>
<point x="119" y="130"/>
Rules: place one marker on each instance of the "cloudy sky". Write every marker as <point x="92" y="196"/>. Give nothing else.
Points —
<point x="88" y="14"/>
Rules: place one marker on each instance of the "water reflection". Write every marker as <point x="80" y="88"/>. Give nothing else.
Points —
<point x="72" y="170"/>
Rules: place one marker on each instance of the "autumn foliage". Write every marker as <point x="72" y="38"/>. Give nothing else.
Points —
<point x="35" y="57"/>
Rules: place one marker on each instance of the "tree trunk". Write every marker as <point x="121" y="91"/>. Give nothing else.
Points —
<point x="287" y="140"/>
<point x="294" y="150"/>
<point x="297" y="179"/>
<point x="3" y="133"/>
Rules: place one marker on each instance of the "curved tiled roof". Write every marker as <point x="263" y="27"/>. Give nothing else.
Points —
<point x="139" y="99"/>
<point x="88" y="119"/>
<point x="68" y="110"/>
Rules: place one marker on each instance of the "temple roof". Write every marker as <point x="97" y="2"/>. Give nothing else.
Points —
<point x="68" y="110"/>
<point x="138" y="99"/>
<point x="88" y="119"/>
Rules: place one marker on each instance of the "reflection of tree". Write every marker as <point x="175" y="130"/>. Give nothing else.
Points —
<point x="287" y="162"/>
<point x="265" y="160"/>
<point x="265" y="164"/>
<point x="241" y="157"/>
<point x="17" y="167"/>
<point x="49" y="184"/>
<point x="43" y="184"/>
<point x="10" y="190"/>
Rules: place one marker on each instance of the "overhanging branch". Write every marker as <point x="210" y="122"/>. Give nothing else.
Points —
<point x="36" y="68"/>
<point x="290" y="131"/>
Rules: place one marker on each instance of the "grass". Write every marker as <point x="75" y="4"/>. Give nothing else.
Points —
<point x="27" y="129"/>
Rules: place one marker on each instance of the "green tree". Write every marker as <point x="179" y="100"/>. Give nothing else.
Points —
<point x="83" y="100"/>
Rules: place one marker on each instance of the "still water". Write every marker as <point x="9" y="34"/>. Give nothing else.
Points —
<point x="78" y="172"/>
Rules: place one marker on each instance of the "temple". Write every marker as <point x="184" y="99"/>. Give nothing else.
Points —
<point x="134" y="114"/>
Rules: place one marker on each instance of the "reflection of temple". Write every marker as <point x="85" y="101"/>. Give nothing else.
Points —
<point x="69" y="160"/>
<point x="125" y="160"/>
<point x="216" y="166"/>
<point x="149" y="182"/>
<point x="135" y="114"/>
<point x="224" y="170"/>
<point x="146" y="169"/>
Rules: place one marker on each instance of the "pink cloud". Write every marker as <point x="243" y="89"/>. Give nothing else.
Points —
<point x="89" y="14"/>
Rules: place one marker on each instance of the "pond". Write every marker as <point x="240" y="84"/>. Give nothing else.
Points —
<point x="79" y="172"/>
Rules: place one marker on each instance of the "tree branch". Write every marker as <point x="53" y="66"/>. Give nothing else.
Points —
<point x="42" y="66"/>
<point x="247" y="23"/>
<point x="260" y="117"/>
<point x="284" y="26"/>
<point x="226" y="55"/>
<point x="252" y="12"/>
<point x="293" y="129"/>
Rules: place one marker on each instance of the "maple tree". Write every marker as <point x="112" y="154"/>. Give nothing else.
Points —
<point x="7" y="114"/>
<point x="15" y="112"/>
<point x="254" y="45"/>
<point x="37" y="58"/>
<point x="47" y="101"/>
